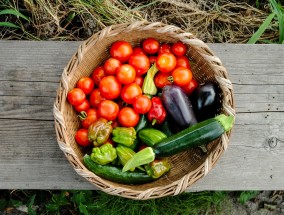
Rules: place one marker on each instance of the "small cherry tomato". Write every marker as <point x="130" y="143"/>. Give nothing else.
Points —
<point x="140" y="63"/>
<point x="110" y="87"/>
<point x="142" y="104"/>
<point x="98" y="74"/>
<point x="129" y="92"/>
<point x="152" y="59"/>
<point x="164" y="48"/>
<point x="139" y="80"/>
<point x="150" y="46"/>
<point x="138" y="50"/>
<point x="190" y="87"/>
<point x="83" y="107"/>
<point x="92" y="116"/>
<point x="111" y="66"/>
<point x="166" y="62"/>
<point x="127" y="117"/>
<point x="161" y="80"/>
<point x="76" y="96"/>
<point x="179" y="48"/>
<point x="121" y="50"/>
<point x="86" y="84"/>
<point x="183" y="61"/>
<point x="108" y="110"/>
<point x="125" y="74"/>
<point x="181" y="76"/>
<point x="81" y="137"/>
<point x="96" y="98"/>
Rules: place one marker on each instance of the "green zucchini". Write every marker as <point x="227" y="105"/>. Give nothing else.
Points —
<point x="115" y="174"/>
<point x="196" y="135"/>
<point x="151" y="136"/>
<point x="143" y="122"/>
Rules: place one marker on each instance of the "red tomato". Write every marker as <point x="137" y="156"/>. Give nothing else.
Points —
<point x="138" y="50"/>
<point x="98" y="74"/>
<point x="150" y="46"/>
<point x="86" y="84"/>
<point x="92" y="116"/>
<point x="115" y="123"/>
<point x="121" y="51"/>
<point x="164" y="48"/>
<point x="81" y="137"/>
<point x="190" y="87"/>
<point x="110" y="87"/>
<point x="127" y="117"/>
<point x="140" y="63"/>
<point x="111" y="66"/>
<point x="83" y="107"/>
<point x="179" y="48"/>
<point x="108" y="110"/>
<point x="129" y="92"/>
<point x="161" y="80"/>
<point x="183" y="61"/>
<point x="182" y="76"/>
<point x="76" y="96"/>
<point x="142" y="104"/>
<point x="152" y="59"/>
<point x="166" y="62"/>
<point x="125" y="74"/>
<point x="139" y="80"/>
<point x="96" y="98"/>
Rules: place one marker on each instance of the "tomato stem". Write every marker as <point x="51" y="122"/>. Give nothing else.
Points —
<point x="83" y="115"/>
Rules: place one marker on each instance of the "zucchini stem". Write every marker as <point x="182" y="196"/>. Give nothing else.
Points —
<point x="226" y="121"/>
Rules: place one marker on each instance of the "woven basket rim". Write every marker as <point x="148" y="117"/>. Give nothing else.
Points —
<point x="176" y="187"/>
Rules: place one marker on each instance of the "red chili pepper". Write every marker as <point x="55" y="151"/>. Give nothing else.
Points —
<point x="157" y="113"/>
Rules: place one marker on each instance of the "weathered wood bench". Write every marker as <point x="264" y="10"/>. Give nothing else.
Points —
<point x="31" y="159"/>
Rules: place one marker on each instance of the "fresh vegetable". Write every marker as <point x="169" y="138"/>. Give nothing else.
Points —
<point x="183" y="61"/>
<point x="206" y="101"/>
<point x="158" y="167"/>
<point x="98" y="74"/>
<point x="115" y="174"/>
<point x="190" y="87"/>
<point x="108" y="109"/>
<point x="99" y="131"/>
<point x="142" y="104"/>
<point x="124" y="153"/>
<point x="125" y="74"/>
<point x="81" y="137"/>
<point x="104" y="154"/>
<point x="152" y="59"/>
<point x="89" y="117"/>
<point x="96" y="98"/>
<point x="161" y="80"/>
<point x="143" y="123"/>
<point x="157" y="113"/>
<point x="111" y="65"/>
<point x="181" y="76"/>
<point x="83" y="107"/>
<point x="178" y="48"/>
<point x="121" y="50"/>
<point x="110" y="87"/>
<point x="168" y="127"/>
<point x="166" y="62"/>
<point x="86" y="84"/>
<point x="150" y="46"/>
<point x="151" y="136"/>
<point x="193" y="136"/>
<point x="129" y="92"/>
<point x="142" y="157"/>
<point x="128" y="117"/>
<point x="76" y="96"/>
<point x="140" y="63"/>
<point x="138" y="50"/>
<point x="164" y="48"/>
<point x="178" y="106"/>
<point x="123" y="135"/>
<point x="139" y="80"/>
<point x="149" y="86"/>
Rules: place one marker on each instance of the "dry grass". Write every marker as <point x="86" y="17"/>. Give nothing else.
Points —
<point x="211" y="21"/>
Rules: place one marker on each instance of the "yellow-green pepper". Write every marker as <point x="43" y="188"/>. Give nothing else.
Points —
<point x="99" y="131"/>
<point x="104" y="154"/>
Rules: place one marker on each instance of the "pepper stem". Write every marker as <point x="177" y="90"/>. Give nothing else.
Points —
<point x="154" y="121"/>
<point x="171" y="79"/>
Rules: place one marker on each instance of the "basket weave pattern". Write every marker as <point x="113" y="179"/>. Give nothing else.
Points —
<point x="189" y="166"/>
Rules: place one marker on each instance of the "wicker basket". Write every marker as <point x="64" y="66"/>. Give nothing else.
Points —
<point x="189" y="166"/>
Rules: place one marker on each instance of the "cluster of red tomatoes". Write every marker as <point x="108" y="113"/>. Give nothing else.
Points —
<point x="114" y="89"/>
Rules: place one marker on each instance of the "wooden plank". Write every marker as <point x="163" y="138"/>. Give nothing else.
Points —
<point x="31" y="159"/>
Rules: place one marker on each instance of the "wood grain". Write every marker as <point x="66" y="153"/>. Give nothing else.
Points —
<point x="31" y="159"/>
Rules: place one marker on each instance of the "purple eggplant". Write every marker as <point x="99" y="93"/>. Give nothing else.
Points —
<point x="178" y="106"/>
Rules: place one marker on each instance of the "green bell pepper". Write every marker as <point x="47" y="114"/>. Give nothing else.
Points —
<point x="157" y="168"/>
<point x="104" y="154"/>
<point x="123" y="135"/>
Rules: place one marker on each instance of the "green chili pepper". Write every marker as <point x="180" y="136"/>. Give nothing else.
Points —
<point x="142" y="157"/>
<point x="157" y="168"/>
<point x="123" y="135"/>
<point x="103" y="154"/>
<point x="124" y="154"/>
<point x="99" y="131"/>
